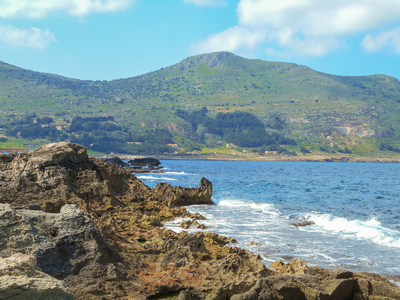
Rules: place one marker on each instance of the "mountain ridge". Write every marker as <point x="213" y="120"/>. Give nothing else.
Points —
<point x="308" y="102"/>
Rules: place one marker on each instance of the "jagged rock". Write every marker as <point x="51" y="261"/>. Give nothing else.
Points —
<point x="66" y="245"/>
<point x="180" y="196"/>
<point x="116" y="160"/>
<point x="296" y="266"/>
<point x="148" y="161"/>
<point x="56" y="174"/>
<point x="188" y="224"/>
<point x="20" y="278"/>
<point x="296" y="280"/>
<point x="97" y="227"/>
<point x="198" y="216"/>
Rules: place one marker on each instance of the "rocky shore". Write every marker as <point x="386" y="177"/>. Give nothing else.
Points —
<point x="74" y="227"/>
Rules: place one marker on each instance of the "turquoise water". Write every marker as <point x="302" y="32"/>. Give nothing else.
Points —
<point x="355" y="208"/>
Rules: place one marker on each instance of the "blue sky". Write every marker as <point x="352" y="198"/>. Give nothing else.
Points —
<point x="111" y="39"/>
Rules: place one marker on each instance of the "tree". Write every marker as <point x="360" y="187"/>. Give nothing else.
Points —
<point x="304" y="150"/>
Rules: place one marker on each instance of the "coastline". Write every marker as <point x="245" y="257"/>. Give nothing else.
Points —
<point x="100" y="231"/>
<point x="277" y="158"/>
<point x="303" y="158"/>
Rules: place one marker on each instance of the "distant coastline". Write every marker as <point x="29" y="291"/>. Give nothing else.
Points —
<point x="308" y="158"/>
<point x="225" y="157"/>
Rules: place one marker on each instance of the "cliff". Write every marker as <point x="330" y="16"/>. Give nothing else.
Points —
<point x="74" y="226"/>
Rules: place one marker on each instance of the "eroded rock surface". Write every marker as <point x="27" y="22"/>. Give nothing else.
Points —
<point x="179" y="196"/>
<point x="20" y="278"/>
<point x="66" y="245"/>
<point x="96" y="230"/>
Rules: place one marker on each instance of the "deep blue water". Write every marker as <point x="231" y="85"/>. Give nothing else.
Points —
<point x="355" y="208"/>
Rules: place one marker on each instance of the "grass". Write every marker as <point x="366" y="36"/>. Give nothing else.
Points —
<point x="22" y="143"/>
<point x="309" y="102"/>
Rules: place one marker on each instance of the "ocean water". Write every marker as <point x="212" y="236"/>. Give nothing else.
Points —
<point x="355" y="208"/>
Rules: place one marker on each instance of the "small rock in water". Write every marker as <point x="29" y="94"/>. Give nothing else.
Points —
<point x="303" y="223"/>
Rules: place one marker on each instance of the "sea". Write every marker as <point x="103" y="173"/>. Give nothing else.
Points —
<point x="354" y="209"/>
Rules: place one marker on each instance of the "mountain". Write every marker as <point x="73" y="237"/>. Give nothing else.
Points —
<point x="310" y="107"/>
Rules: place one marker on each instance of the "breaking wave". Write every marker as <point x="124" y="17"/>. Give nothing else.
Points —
<point x="371" y="229"/>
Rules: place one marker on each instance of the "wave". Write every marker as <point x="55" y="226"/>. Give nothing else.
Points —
<point x="247" y="204"/>
<point x="177" y="173"/>
<point x="154" y="178"/>
<point x="371" y="229"/>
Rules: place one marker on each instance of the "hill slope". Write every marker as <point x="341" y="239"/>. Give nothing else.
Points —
<point x="290" y="99"/>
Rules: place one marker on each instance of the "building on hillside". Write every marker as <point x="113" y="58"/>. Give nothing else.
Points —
<point x="271" y="152"/>
<point x="61" y="126"/>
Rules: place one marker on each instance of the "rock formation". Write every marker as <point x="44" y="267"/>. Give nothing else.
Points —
<point x="179" y="196"/>
<point x="20" y="278"/>
<point x="65" y="245"/>
<point x="71" y="225"/>
<point x="147" y="161"/>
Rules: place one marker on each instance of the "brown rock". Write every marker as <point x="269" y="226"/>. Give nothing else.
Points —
<point x="111" y="245"/>
<point x="180" y="196"/>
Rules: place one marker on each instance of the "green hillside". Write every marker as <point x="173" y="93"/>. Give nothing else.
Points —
<point x="317" y="110"/>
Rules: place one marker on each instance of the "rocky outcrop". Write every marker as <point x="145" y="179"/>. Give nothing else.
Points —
<point x="116" y="160"/>
<point x="65" y="245"/>
<point x="84" y="226"/>
<point x="356" y="129"/>
<point x="147" y="161"/>
<point x="179" y="196"/>
<point x="57" y="174"/>
<point x="297" y="281"/>
<point x="20" y="278"/>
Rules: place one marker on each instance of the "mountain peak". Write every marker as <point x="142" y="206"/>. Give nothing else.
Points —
<point x="210" y="60"/>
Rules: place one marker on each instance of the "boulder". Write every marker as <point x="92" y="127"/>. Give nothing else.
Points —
<point x="66" y="245"/>
<point x="20" y="278"/>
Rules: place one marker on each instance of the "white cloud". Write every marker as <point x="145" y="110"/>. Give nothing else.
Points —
<point x="207" y="2"/>
<point x="304" y="27"/>
<point x="231" y="40"/>
<point x="389" y="39"/>
<point x="36" y="9"/>
<point x="33" y="38"/>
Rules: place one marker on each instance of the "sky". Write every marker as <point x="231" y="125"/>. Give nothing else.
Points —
<point x="112" y="39"/>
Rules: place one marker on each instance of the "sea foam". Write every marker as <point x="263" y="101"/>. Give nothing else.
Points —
<point x="154" y="178"/>
<point x="177" y="173"/>
<point x="368" y="230"/>
<point x="246" y="204"/>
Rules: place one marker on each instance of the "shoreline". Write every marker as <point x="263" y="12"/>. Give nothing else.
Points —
<point x="305" y="158"/>
<point x="104" y="226"/>
<point x="225" y="157"/>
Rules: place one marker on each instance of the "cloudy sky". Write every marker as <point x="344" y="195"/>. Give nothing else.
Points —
<point x="111" y="39"/>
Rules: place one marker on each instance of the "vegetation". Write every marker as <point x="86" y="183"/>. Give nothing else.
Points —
<point x="240" y="128"/>
<point x="206" y="101"/>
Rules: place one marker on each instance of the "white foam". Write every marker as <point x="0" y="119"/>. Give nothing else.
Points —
<point x="154" y="178"/>
<point x="260" y="206"/>
<point x="370" y="229"/>
<point x="177" y="173"/>
<point x="174" y="225"/>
